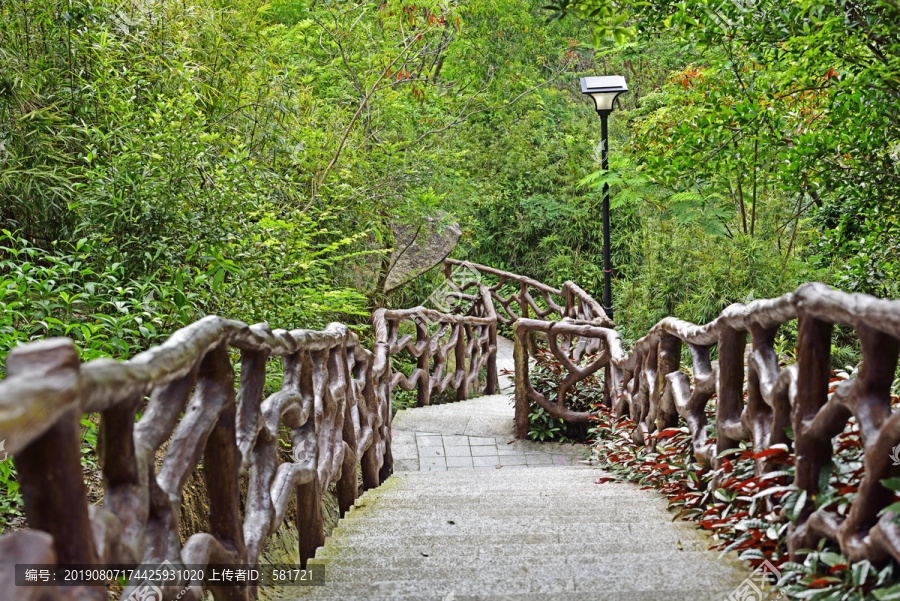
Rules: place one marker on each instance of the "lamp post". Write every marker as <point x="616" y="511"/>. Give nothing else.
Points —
<point x="604" y="90"/>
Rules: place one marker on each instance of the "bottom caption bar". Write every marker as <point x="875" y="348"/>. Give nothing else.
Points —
<point x="170" y="574"/>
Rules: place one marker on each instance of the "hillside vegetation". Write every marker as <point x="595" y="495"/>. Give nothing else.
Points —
<point x="164" y="160"/>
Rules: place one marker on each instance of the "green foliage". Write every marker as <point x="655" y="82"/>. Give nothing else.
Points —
<point x="862" y="248"/>
<point x="533" y="219"/>
<point x="177" y="138"/>
<point x="681" y="244"/>
<point x="791" y="102"/>
<point x="715" y="226"/>
<point x="10" y="494"/>
<point x="58" y="292"/>
<point x="402" y="399"/>
<point x="163" y="132"/>
<point x="680" y="269"/>
<point x="543" y="427"/>
<point x="531" y="216"/>
<point x="278" y="268"/>
<point x="763" y="159"/>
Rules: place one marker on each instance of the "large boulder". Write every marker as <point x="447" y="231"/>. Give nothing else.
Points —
<point x="419" y="247"/>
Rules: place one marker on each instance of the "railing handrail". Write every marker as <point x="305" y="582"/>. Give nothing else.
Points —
<point x="504" y="275"/>
<point x="647" y="385"/>
<point x="551" y="330"/>
<point x="577" y="304"/>
<point x="335" y="398"/>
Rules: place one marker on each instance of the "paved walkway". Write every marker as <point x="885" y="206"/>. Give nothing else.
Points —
<point x="475" y="434"/>
<point x="470" y="516"/>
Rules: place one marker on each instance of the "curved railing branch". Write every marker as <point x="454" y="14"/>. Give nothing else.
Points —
<point x="574" y="304"/>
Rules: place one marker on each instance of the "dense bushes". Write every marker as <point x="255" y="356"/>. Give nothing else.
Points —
<point x="148" y="143"/>
<point x="239" y="156"/>
<point x="681" y="244"/>
<point x="742" y="167"/>
<point x="160" y="161"/>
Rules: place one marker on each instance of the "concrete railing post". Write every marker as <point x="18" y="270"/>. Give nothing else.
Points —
<point x="520" y="356"/>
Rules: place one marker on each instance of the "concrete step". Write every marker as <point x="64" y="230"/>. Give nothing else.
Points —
<point x="427" y="557"/>
<point x="523" y="534"/>
<point x="384" y="543"/>
<point x="614" y="519"/>
<point x="620" y="581"/>
<point x="379" y="554"/>
<point x="630" y="566"/>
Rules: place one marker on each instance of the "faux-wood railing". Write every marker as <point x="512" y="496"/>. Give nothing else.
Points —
<point x="647" y="385"/>
<point x="335" y="400"/>
<point x="574" y="303"/>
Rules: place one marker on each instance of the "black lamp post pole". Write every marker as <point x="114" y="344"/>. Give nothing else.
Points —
<point x="607" y="267"/>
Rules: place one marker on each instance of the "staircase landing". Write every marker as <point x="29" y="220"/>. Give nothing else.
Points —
<point x="474" y="434"/>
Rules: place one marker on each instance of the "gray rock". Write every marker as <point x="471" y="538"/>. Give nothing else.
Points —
<point x="419" y="247"/>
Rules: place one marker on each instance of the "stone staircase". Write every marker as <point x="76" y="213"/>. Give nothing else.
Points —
<point x="472" y="514"/>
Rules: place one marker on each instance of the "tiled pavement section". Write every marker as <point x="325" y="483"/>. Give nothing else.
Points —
<point x="428" y="452"/>
<point x="473" y="434"/>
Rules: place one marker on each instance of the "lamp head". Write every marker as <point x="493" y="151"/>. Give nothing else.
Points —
<point x="604" y="90"/>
